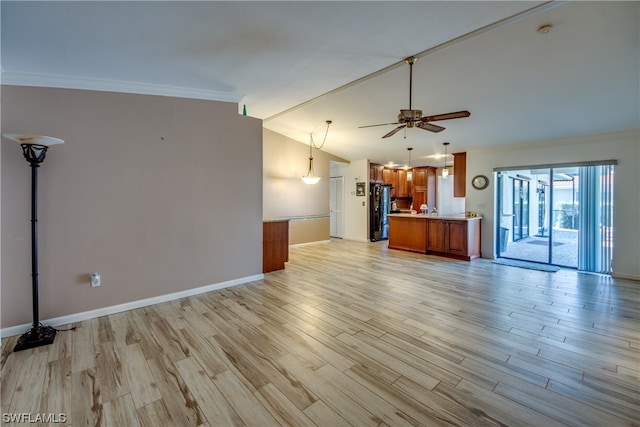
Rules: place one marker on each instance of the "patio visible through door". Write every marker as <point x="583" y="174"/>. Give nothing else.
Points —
<point x="560" y="215"/>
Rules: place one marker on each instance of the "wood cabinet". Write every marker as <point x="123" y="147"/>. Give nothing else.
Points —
<point x="436" y="235"/>
<point x="376" y="173"/>
<point x="408" y="234"/>
<point x="390" y="176"/>
<point x="459" y="174"/>
<point x="424" y="187"/>
<point x="451" y="237"/>
<point x="387" y="176"/>
<point x="420" y="177"/>
<point x="404" y="186"/>
<point x="454" y="238"/>
<point x="275" y="245"/>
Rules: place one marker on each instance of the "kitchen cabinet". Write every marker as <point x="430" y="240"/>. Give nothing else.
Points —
<point x="404" y="186"/>
<point x="459" y="174"/>
<point x="275" y="245"/>
<point x="375" y="173"/>
<point x="455" y="238"/>
<point x="419" y="177"/>
<point x="408" y="233"/>
<point x="424" y="187"/>
<point x="436" y="235"/>
<point x="390" y="176"/>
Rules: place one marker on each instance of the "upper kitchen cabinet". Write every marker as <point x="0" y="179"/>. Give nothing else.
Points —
<point x="459" y="174"/>
<point x="404" y="186"/>
<point x="390" y="176"/>
<point x="419" y="177"/>
<point x="424" y="187"/>
<point x="376" y="173"/>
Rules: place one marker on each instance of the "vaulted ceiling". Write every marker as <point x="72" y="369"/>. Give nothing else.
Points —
<point x="297" y="64"/>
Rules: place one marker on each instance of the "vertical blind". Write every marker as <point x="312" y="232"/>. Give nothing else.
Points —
<point x="595" y="233"/>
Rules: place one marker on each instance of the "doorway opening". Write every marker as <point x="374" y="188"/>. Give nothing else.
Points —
<point x="559" y="215"/>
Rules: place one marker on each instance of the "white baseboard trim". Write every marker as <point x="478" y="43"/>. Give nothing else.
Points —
<point x="91" y="314"/>
<point x="625" y="276"/>
<point x="356" y="239"/>
<point x="317" y="242"/>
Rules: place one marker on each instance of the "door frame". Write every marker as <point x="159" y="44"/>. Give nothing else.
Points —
<point x="336" y="216"/>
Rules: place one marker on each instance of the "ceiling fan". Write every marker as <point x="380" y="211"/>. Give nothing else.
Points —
<point x="413" y="118"/>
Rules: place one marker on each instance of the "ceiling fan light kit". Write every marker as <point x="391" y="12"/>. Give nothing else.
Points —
<point x="409" y="118"/>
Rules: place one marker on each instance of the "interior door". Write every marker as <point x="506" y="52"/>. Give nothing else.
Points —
<point x="336" y="208"/>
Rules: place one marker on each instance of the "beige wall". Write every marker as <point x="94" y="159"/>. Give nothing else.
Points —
<point x="157" y="194"/>
<point x="284" y="193"/>
<point x="623" y="146"/>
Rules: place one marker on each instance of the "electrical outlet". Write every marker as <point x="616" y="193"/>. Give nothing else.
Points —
<point x="95" y="280"/>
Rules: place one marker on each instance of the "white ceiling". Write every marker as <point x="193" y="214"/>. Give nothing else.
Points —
<point x="297" y="64"/>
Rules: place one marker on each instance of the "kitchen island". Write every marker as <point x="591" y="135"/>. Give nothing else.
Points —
<point x="454" y="236"/>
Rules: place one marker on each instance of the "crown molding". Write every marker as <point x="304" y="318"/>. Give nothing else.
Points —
<point x="62" y="82"/>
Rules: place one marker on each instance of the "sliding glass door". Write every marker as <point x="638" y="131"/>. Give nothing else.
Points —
<point x="560" y="215"/>
<point x="520" y="208"/>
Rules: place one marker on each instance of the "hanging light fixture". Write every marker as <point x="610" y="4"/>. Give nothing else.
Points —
<point x="409" y="172"/>
<point x="310" y="177"/>
<point x="445" y="171"/>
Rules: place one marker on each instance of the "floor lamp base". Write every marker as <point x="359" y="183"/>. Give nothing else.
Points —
<point x="36" y="337"/>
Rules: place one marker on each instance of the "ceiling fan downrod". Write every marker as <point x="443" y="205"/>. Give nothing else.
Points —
<point x="410" y="60"/>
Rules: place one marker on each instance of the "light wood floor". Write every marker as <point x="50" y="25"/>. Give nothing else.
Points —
<point x="352" y="334"/>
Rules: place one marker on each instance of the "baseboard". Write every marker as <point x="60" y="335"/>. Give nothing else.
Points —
<point x="625" y="276"/>
<point x="356" y="239"/>
<point x="318" y="242"/>
<point x="91" y="314"/>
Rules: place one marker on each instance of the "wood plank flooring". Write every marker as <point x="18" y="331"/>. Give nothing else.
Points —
<point x="351" y="334"/>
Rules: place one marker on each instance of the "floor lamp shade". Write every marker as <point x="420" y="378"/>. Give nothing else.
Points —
<point x="34" y="149"/>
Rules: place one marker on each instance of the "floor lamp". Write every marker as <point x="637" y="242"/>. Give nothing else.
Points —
<point x="34" y="148"/>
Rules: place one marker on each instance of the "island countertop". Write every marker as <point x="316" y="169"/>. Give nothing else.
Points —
<point x="459" y="217"/>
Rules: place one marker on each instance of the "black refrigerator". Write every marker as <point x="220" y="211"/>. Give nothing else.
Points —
<point x="379" y="206"/>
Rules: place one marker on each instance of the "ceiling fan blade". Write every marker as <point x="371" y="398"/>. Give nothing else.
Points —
<point x="381" y="124"/>
<point x="447" y="116"/>
<point x="429" y="126"/>
<point x="393" y="132"/>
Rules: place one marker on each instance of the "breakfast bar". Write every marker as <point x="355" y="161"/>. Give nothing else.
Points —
<point x="454" y="236"/>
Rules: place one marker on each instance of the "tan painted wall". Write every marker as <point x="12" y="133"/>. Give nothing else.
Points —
<point x="157" y="194"/>
<point x="284" y="193"/>
<point x="623" y="147"/>
<point x="308" y="230"/>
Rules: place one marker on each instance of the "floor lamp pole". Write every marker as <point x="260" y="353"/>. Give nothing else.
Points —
<point x="34" y="149"/>
<point x="34" y="243"/>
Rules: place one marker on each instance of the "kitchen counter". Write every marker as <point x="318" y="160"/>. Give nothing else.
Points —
<point x="453" y="236"/>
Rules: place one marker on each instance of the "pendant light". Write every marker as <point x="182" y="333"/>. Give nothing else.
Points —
<point x="311" y="178"/>
<point x="445" y="171"/>
<point x="409" y="171"/>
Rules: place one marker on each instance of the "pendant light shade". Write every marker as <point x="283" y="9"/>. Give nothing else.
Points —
<point x="445" y="171"/>
<point x="409" y="171"/>
<point x="311" y="178"/>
